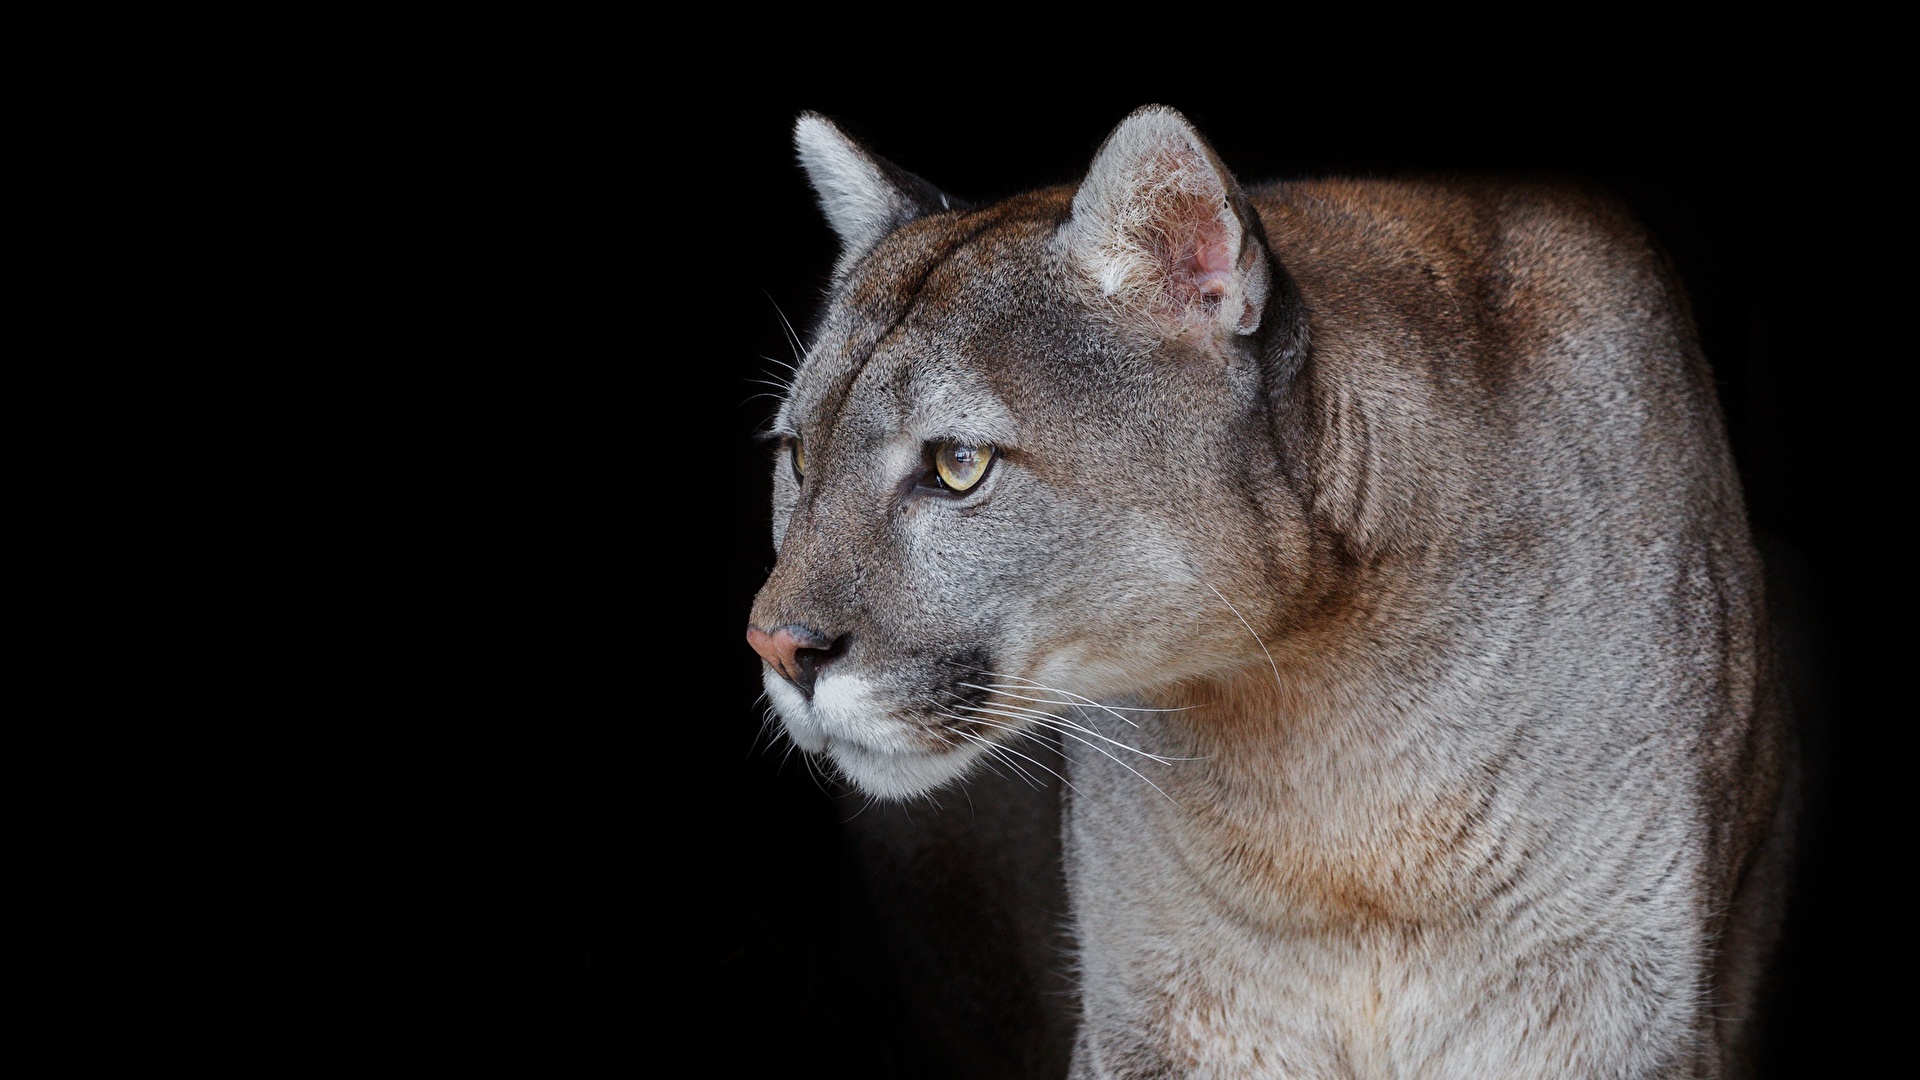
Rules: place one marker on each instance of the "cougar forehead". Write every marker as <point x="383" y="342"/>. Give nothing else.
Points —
<point x="931" y="331"/>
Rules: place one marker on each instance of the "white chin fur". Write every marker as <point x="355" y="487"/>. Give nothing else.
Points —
<point x="794" y="712"/>
<point x="845" y="722"/>
<point x="900" y="776"/>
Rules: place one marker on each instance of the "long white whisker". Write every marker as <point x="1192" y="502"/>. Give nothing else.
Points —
<point x="992" y="750"/>
<point x="1021" y="712"/>
<point x="944" y="711"/>
<point x="1003" y="746"/>
<point x="1095" y="746"/>
<point x="1063" y="725"/>
<point x="814" y="766"/>
<point x="771" y="731"/>
<point x="1278" y="685"/>
<point x="1014" y="710"/>
<point x="1114" y="710"/>
<point x="1078" y="698"/>
<point x="1070" y="697"/>
<point x="1068" y="727"/>
<point x="867" y="802"/>
<point x="793" y="339"/>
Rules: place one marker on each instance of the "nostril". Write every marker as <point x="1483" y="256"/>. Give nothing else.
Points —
<point x="809" y="660"/>
<point x="797" y="652"/>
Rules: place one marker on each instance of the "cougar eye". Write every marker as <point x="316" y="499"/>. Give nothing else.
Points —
<point x="961" y="467"/>
<point x="798" y="454"/>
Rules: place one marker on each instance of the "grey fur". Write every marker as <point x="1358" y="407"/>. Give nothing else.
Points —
<point x="1382" y="568"/>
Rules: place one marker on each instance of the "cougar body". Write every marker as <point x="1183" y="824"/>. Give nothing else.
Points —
<point x="1373" y="552"/>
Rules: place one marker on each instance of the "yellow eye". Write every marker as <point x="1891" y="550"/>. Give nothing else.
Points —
<point x="961" y="467"/>
<point x="799" y="459"/>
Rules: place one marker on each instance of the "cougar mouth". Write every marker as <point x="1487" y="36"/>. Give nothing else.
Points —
<point x="891" y="775"/>
<point x="884" y="750"/>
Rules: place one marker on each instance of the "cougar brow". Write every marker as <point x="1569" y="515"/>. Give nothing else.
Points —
<point x="834" y="400"/>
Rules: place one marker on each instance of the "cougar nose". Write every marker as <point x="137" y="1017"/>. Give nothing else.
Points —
<point x="796" y="652"/>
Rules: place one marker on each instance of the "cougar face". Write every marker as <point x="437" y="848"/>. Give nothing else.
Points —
<point x="972" y="538"/>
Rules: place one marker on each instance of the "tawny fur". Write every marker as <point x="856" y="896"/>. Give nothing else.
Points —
<point x="1373" y="553"/>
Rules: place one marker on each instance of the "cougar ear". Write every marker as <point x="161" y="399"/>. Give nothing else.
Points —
<point x="1160" y="228"/>
<point x="863" y="195"/>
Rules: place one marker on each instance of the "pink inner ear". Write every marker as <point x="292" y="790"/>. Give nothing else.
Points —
<point x="1205" y="265"/>
<point x="1183" y="228"/>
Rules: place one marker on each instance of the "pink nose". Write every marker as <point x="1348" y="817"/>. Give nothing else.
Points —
<point x="794" y="651"/>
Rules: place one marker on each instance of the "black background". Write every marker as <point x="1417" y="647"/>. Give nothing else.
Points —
<point x="635" y="864"/>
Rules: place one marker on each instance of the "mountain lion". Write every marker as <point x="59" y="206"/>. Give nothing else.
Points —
<point x="1371" y="552"/>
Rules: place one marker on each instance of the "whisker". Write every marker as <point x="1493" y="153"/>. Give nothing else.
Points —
<point x="992" y="750"/>
<point x="1277" y="683"/>
<point x="1095" y="746"/>
<point x="867" y="802"/>
<point x="814" y="767"/>
<point x="1082" y="703"/>
<point x="1080" y="699"/>
<point x="999" y="746"/>
<point x="771" y="733"/>
<point x="1074" y="699"/>
<point x="793" y="339"/>
<point x="1065" y="726"/>
<point x="1014" y="710"/>
<point x="776" y="360"/>
<point x="1003" y="746"/>
<point x="1077" y="698"/>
